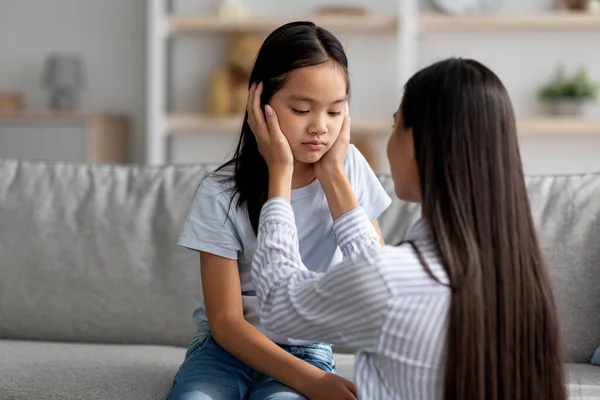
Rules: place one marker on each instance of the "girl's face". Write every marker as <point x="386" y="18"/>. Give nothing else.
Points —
<point x="403" y="164"/>
<point x="310" y="109"/>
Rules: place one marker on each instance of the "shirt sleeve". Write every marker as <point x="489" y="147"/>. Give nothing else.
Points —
<point x="344" y="306"/>
<point x="368" y="189"/>
<point x="209" y="226"/>
<point x="355" y="233"/>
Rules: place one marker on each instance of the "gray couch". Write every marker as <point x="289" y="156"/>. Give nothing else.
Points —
<point x="96" y="297"/>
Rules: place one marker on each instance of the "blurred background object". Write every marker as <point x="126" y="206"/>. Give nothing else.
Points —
<point x="569" y="95"/>
<point x="229" y="83"/>
<point x="233" y="9"/>
<point x="63" y="78"/>
<point x="10" y="102"/>
<point x="174" y="70"/>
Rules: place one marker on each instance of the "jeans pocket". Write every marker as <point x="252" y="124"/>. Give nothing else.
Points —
<point x="197" y="345"/>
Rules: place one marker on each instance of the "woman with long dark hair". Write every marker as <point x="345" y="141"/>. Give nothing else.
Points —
<point x="464" y="308"/>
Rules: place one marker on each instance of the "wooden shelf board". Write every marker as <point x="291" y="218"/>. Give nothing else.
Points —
<point x="551" y="20"/>
<point x="560" y="126"/>
<point x="557" y="20"/>
<point x="369" y="23"/>
<point x="179" y="123"/>
<point x="57" y="117"/>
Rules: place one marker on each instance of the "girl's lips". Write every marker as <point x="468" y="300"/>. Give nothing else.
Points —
<point x="315" y="145"/>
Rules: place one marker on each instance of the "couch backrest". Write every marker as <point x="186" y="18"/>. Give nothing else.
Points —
<point x="566" y="210"/>
<point x="88" y="253"/>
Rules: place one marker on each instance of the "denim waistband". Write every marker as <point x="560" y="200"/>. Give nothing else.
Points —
<point x="205" y="331"/>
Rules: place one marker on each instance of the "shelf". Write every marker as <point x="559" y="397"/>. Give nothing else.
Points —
<point x="59" y="117"/>
<point x="387" y="24"/>
<point x="560" y="126"/>
<point x="364" y="24"/>
<point x="539" y="21"/>
<point x="181" y="123"/>
<point x="178" y="123"/>
<point x="106" y="136"/>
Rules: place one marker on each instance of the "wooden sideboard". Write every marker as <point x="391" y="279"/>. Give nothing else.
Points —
<point x="65" y="136"/>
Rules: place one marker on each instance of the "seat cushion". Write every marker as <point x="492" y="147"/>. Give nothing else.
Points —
<point x="48" y="370"/>
<point x="584" y="381"/>
<point x="53" y="370"/>
<point x="345" y="365"/>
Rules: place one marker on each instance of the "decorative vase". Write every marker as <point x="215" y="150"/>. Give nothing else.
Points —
<point x="593" y="6"/>
<point x="566" y="107"/>
<point x="578" y="5"/>
<point x="233" y="9"/>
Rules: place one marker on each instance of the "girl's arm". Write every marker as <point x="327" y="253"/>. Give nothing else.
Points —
<point x="344" y="306"/>
<point x="223" y="299"/>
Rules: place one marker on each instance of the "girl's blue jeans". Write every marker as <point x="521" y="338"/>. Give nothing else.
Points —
<point x="209" y="372"/>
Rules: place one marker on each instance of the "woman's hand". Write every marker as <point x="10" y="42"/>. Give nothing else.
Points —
<point x="333" y="160"/>
<point x="272" y="143"/>
<point x="331" y="173"/>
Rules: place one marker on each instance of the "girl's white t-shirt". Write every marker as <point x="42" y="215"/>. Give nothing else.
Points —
<point x="215" y="225"/>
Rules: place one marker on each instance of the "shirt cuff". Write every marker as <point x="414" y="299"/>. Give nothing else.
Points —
<point x="351" y="226"/>
<point x="277" y="210"/>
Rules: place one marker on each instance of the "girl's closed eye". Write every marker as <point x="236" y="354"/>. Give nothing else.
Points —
<point x="299" y="112"/>
<point x="335" y="113"/>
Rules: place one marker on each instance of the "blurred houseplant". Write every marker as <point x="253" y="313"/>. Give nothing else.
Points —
<point x="568" y="95"/>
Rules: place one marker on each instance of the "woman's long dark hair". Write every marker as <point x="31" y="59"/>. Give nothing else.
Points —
<point x="291" y="46"/>
<point x="504" y="341"/>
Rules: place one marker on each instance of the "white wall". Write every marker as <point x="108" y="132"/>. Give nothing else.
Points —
<point x="523" y="60"/>
<point x="110" y="35"/>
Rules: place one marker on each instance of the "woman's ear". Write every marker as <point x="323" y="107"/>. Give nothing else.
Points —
<point x="411" y="143"/>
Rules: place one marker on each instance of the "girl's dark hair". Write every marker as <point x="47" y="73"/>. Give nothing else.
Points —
<point x="504" y="341"/>
<point x="291" y="46"/>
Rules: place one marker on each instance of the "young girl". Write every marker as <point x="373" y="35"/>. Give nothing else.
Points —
<point x="304" y="73"/>
<point x="464" y="308"/>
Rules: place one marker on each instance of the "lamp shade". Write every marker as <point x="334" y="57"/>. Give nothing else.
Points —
<point x="64" y="71"/>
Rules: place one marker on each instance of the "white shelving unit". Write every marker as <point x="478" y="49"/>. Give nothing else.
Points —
<point x="406" y="25"/>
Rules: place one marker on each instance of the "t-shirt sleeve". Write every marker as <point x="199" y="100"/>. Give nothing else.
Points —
<point x="209" y="224"/>
<point x="368" y="189"/>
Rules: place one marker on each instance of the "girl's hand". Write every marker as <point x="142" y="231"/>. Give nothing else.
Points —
<point x="333" y="160"/>
<point x="331" y="386"/>
<point x="272" y="143"/>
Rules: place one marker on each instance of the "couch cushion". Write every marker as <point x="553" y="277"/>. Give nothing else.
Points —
<point x="46" y="370"/>
<point x="88" y="253"/>
<point x="584" y="382"/>
<point x="566" y="211"/>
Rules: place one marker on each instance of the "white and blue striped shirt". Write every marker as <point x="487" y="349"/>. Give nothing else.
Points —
<point x="379" y="301"/>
